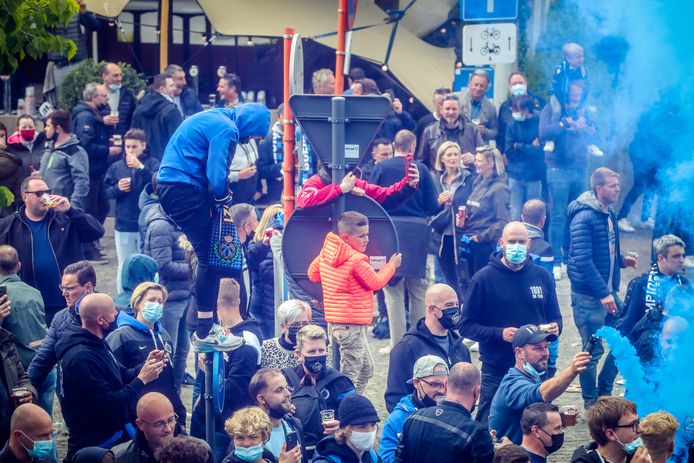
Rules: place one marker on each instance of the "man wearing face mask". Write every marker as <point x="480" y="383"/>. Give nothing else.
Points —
<point x="614" y="425"/>
<point x="447" y="432"/>
<point x="121" y="101"/>
<point x="432" y="335"/>
<point x="507" y="293"/>
<point x="517" y="86"/>
<point x="430" y="377"/>
<point x="98" y="394"/>
<point x="31" y="439"/>
<point x="543" y="433"/>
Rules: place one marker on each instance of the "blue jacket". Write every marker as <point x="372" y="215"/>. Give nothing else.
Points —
<point x="137" y="268"/>
<point x="589" y="248"/>
<point x="198" y="153"/>
<point x="45" y="358"/>
<point x="392" y="429"/>
<point x="516" y="391"/>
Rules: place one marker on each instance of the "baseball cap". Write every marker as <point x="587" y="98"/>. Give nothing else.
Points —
<point x="530" y="334"/>
<point x="427" y="366"/>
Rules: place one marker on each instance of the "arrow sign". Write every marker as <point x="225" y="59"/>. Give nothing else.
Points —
<point x="494" y="43"/>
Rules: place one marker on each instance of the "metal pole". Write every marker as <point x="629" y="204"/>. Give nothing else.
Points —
<point x="288" y="135"/>
<point x="208" y="396"/>
<point x="338" y="121"/>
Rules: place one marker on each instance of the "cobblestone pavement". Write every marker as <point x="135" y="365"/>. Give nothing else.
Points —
<point x="575" y="436"/>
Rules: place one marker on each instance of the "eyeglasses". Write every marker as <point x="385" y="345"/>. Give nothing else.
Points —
<point x="69" y="288"/>
<point x="635" y="426"/>
<point x="435" y="385"/>
<point x="39" y="193"/>
<point x="159" y="425"/>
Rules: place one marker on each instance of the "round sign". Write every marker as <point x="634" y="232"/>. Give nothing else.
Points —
<point x="351" y="14"/>
<point x="305" y="232"/>
<point x="296" y="66"/>
<point x="218" y="377"/>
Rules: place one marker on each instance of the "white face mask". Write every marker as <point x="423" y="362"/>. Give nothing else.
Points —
<point x="363" y="440"/>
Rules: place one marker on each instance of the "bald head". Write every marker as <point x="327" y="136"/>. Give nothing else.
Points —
<point x="438" y="294"/>
<point x="156" y="419"/>
<point x="95" y="305"/>
<point x="153" y="404"/>
<point x="463" y="378"/>
<point x="534" y="212"/>
<point x="28" y="416"/>
<point x="514" y="230"/>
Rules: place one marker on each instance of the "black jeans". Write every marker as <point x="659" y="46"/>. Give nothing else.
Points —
<point x="490" y="384"/>
<point x="479" y="255"/>
<point x="191" y="209"/>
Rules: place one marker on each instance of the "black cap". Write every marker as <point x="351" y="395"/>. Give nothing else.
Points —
<point x="356" y="409"/>
<point x="530" y="334"/>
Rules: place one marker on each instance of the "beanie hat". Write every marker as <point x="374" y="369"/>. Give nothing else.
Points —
<point x="356" y="409"/>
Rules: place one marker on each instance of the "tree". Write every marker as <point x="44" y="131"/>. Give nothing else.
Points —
<point x="88" y="71"/>
<point x="25" y="30"/>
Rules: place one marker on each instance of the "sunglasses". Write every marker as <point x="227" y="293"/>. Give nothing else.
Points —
<point x="39" y="193"/>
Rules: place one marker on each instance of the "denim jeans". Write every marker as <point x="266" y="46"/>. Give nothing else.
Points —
<point x="522" y="191"/>
<point x="564" y="186"/>
<point x="46" y="392"/>
<point x="490" y="384"/>
<point x="127" y="244"/>
<point x="174" y="322"/>
<point x="590" y="316"/>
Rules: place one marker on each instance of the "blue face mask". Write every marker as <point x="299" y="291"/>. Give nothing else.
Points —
<point x="114" y="87"/>
<point x="532" y="371"/>
<point x="516" y="253"/>
<point x="42" y="448"/>
<point x="249" y="454"/>
<point x="632" y="446"/>
<point x="152" y="312"/>
<point x="517" y="116"/>
<point x="519" y="89"/>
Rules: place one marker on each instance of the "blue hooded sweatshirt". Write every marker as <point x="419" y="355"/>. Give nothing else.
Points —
<point x="200" y="151"/>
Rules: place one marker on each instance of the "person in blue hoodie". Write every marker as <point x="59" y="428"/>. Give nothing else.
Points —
<point x="98" y="394"/>
<point x="137" y="269"/>
<point x="429" y="378"/>
<point x="192" y="180"/>
<point x="142" y="333"/>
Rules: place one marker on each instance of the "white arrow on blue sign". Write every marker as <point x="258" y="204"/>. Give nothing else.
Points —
<point x="488" y="10"/>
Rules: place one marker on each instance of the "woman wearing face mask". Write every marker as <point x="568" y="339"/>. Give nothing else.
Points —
<point x="27" y="143"/>
<point x="487" y="210"/>
<point x="354" y="441"/>
<point x="141" y="333"/>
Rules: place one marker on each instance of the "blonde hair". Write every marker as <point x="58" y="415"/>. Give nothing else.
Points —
<point x="310" y="333"/>
<point x="493" y="156"/>
<point x="265" y="221"/>
<point x="658" y="432"/>
<point x="438" y="165"/>
<point x="141" y="290"/>
<point x="249" y="420"/>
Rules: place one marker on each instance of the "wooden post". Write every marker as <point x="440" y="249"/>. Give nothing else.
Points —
<point x="164" y="28"/>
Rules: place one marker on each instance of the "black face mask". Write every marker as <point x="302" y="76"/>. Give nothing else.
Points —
<point x="315" y="364"/>
<point x="291" y="334"/>
<point x="450" y="318"/>
<point x="557" y="441"/>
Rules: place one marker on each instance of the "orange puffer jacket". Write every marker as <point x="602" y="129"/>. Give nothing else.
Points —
<point x="348" y="281"/>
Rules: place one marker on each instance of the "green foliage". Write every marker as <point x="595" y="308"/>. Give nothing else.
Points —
<point x="88" y="71"/>
<point x="24" y="30"/>
<point x="6" y="197"/>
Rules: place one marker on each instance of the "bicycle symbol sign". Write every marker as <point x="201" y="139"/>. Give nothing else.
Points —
<point x="485" y="44"/>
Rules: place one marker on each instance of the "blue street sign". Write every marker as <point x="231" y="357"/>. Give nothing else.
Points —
<point x="463" y="74"/>
<point x="488" y="10"/>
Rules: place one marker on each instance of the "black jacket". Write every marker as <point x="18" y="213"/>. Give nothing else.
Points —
<point x="260" y="264"/>
<point x="132" y="342"/>
<point x="416" y="343"/>
<point x="422" y="202"/>
<point x="499" y="297"/>
<point x="161" y="243"/>
<point x="525" y="160"/>
<point x="506" y="118"/>
<point x="126" y="108"/>
<point x="94" y="137"/>
<point x="329" y="451"/>
<point x="444" y="433"/>
<point x="98" y="394"/>
<point x="66" y="231"/>
<point x="488" y="208"/>
<point x="589" y="454"/>
<point x="159" y="118"/>
<point x="127" y="203"/>
<point x="190" y="103"/>
<point x="45" y="358"/>
<point x="31" y="159"/>
<point x="12" y="375"/>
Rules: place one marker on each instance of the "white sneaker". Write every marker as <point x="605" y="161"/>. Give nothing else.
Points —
<point x="385" y="350"/>
<point x="549" y="146"/>
<point x="557" y="273"/>
<point x="593" y="150"/>
<point x="625" y="226"/>
<point x="689" y="261"/>
<point x="219" y="339"/>
<point x="649" y="224"/>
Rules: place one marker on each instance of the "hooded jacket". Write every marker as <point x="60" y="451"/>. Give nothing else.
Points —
<point x="132" y="342"/>
<point x="392" y="429"/>
<point x="161" y="243"/>
<point x="499" y="297"/>
<point x="137" y="268"/>
<point x="127" y="208"/>
<point x="159" y="118"/>
<point x="329" y="451"/>
<point x="98" y="394"/>
<point x="27" y="320"/>
<point x="488" y="208"/>
<point x="348" y="281"/>
<point x="66" y="170"/>
<point x="148" y="199"/>
<point x="199" y="151"/>
<point x="589" y="247"/>
<point x="416" y="343"/>
<point x="93" y="136"/>
<point x="29" y="153"/>
<point x="66" y="232"/>
<point x="540" y="250"/>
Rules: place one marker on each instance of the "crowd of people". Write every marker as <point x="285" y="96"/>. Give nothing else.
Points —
<point x="491" y="208"/>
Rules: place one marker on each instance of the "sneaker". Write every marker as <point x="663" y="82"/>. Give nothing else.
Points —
<point x="689" y="261"/>
<point x="625" y="226"/>
<point x="220" y="339"/>
<point x="593" y="150"/>
<point x="188" y="379"/>
<point x="557" y="273"/>
<point x="475" y="347"/>
<point x="648" y="223"/>
<point x="549" y="146"/>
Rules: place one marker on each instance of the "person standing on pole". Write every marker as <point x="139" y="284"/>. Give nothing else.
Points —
<point x="192" y="180"/>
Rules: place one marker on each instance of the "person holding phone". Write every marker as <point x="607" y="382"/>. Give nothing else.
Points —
<point x="142" y="335"/>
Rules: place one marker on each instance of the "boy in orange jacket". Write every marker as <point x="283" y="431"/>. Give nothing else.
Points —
<point x="349" y="282"/>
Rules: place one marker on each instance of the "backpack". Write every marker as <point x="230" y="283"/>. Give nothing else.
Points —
<point x="309" y="400"/>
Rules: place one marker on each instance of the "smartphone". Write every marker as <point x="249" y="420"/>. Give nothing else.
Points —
<point x="590" y="343"/>
<point x="292" y="440"/>
<point x="409" y="161"/>
<point x="3" y="291"/>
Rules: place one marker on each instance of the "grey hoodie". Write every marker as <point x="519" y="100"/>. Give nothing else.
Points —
<point x="66" y="171"/>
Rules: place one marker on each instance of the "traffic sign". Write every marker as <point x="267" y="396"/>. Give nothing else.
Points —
<point x="462" y="76"/>
<point x="490" y="44"/>
<point x="488" y="10"/>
